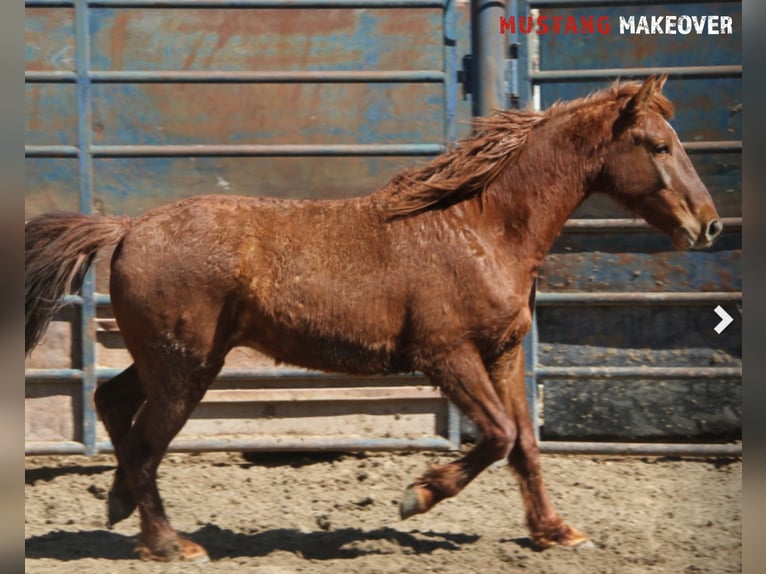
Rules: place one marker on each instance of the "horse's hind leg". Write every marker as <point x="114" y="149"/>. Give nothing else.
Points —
<point x="545" y="526"/>
<point x="174" y="388"/>
<point x="464" y="380"/>
<point x="117" y="401"/>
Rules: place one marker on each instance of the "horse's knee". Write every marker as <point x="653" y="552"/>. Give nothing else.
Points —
<point x="525" y="452"/>
<point x="500" y="442"/>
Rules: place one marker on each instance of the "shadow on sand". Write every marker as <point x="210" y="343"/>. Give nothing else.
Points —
<point x="222" y="543"/>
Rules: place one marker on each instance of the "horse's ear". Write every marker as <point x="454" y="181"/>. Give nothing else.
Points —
<point x="660" y="83"/>
<point x="643" y="96"/>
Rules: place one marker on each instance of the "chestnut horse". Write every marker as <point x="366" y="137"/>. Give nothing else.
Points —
<point x="434" y="272"/>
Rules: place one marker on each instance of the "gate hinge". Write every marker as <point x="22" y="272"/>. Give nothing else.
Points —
<point x="465" y="77"/>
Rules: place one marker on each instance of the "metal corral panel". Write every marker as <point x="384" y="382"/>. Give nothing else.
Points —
<point x="131" y="105"/>
<point x="662" y="317"/>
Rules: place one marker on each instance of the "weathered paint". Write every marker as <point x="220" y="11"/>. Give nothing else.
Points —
<point x="639" y="410"/>
<point x="244" y="39"/>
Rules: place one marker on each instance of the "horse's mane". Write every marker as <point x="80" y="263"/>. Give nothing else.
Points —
<point x="472" y="164"/>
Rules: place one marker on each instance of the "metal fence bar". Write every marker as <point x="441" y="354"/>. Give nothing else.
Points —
<point x="317" y="149"/>
<point x="622" y="225"/>
<point x="549" y="76"/>
<point x="450" y="72"/>
<point x="51" y="151"/>
<point x="531" y="352"/>
<point x="294" y="444"/>
<point x="713" y="146"/>
<point x="640" y="372"/>
<point x="425" y="443"/>
<point x="273" y="4"/>
<point x="551" y="299"/>
<point x="50" y="77"/>
<point x="449" y="65"/>
<point x="42" y="375"/>
<point x="229" y="374"/>
<point x="268" y="77"/>
<point x="241" y="76"/>
<point x="255" y="150"/>
<point x="646" y="449"/>
<point x="84" y="140"/>
<point x="45" y="375"/>
<point x="244" y="150"/>
<point x="565" y="298"/>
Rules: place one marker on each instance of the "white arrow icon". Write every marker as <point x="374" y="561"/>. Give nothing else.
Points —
<point x="726" y="319"/>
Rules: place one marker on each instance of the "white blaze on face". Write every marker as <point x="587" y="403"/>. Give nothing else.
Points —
<point x="661" y="166"/>
<point x="688" y="221"/>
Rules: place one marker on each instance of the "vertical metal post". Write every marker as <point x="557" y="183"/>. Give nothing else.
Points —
<point x="85" y="161"/>
<point x="488" y="48"/>
<point x="450" y="73"/>
<point x="524" y="65"/>
<point x="513" y="46"/>
<point x="527" y="60"/>
<point x="530" y="370"/>
<point x="450" y="135"/>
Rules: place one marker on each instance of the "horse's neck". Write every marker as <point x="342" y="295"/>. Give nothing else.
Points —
<point x="538" y="192"/>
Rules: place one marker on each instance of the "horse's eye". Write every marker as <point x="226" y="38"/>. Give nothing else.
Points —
<point x="661" y="149"/>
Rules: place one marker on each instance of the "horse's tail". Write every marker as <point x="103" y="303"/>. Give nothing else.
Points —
<point x="58" y="249"/>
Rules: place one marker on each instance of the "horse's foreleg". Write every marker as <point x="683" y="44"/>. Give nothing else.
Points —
<point x="545" y="526"/>
<point x="464" y="380"/>
<point x="173" y="397"/>
<point x="117" y="401"/>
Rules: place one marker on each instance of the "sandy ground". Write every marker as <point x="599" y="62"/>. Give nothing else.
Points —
<point x="280" y="514"/>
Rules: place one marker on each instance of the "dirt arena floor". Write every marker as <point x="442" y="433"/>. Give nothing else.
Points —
<point x="280" y="514"/>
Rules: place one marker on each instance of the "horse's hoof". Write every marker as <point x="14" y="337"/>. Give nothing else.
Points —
<point x="117" y="508"/>
<point x="567" y="537"/>
<point x="181" y="549"/>
<point x="417" y="500"/>
<point x="575" y="538"/>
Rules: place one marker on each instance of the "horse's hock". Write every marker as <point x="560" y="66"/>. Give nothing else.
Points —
<point x="623" y="347"/>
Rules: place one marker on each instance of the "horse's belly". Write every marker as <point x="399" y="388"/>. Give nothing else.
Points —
<point x="332" y="354"/>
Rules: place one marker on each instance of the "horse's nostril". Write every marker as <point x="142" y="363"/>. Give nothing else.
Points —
<point x="714" y="228"/>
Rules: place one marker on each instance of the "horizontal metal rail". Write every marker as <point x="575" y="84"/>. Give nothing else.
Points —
<point x="243" y="150"/>
<point x="229" y="374"/>
<point x="252" y="444"/>
<point x="336" y="444"/>
<point x="241" y="76"/>
<point x="71" y="375"/>
<point x="624" y="225"/>
<point x="636" y="448"/>
<point x="639" y="372"/>
<point x="614" y="3"/>
<point x="550" y="76"/>
<point x="559" y="299"/>
<point x="567" y="298"/>
<point x="273" y="4"/>
<point x="730" y="146"/>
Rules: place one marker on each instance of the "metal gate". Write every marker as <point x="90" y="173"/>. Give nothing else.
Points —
<point x="89" y="313"/>
<point x="606" y="275"/>
<point x="623" y="345"/>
